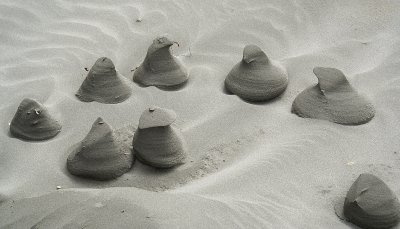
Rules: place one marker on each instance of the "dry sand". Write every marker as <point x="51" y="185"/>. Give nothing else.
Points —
<point x="248" y="165"/>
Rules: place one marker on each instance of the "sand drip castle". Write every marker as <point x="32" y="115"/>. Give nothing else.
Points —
<point x="333" y="99"/>
<point x="104" y="84"/>
<point x="100" y="156"/>
<point x="370" y="203"/>
<point x="159" y="143"/>
<point x="256" y="78"/>
<point x="32" y="121"/>
<point x="160" y="68"/>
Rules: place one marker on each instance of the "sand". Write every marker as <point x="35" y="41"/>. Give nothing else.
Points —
<point x="255" y="165"/>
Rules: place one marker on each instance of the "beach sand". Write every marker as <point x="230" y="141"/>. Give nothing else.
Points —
<point x="248" y="165"/>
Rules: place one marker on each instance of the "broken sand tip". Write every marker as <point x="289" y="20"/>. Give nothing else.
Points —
<point x="333" y="99"/>
<point x="157" y="142"/>
<point x="104" y="84"/>
<point x="100" y="155"/>
<point x="32" y="121"/>
<point x="160" y="68"/>
<point x="256" y="78"/>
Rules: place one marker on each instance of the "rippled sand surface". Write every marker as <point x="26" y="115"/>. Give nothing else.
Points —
<point x="250" y="165"/>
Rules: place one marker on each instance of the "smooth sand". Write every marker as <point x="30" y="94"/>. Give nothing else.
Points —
<point x="254" y="165"/>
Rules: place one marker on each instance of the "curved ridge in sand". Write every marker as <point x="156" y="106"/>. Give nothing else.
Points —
<point x="100" y="156"/>
<point x="256" y="78"/>
<point x="32" y="121"/>
<point x="160" y="68"/>
<point x="333" y="99"/>
<point x="104" y="84"/>
<point x="157" y="142"/>
<point x="370" y="203"/>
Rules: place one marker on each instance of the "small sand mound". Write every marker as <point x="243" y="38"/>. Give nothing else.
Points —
<point x="333" y="99"/>
<point x="256" y="78"/>
<point x="32" y="121"/>
<point x="104" y="84"/>
<point x="100" y="155"/>
<point x="160" y="68"/>
<point x="157" y="142"/>
<point x="370" y="203"/>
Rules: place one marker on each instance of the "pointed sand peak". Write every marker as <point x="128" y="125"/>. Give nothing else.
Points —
<point x="104" y="65"/>
<point x="160" y="43"/>
<point x="156" y="117"/>
<point x="28" y="103"/>
<point x="253" y="53"/>
<point x="100" y="131"/>
<point x="330" y="79"/>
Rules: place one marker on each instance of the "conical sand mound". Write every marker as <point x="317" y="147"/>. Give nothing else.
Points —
<point x="160" y="68"/>
<point x="104" y="84"/>
<point x="100" y="156"/>
<point x="333" y="99"/>
<point x="157" y="142"/>
<point x="370" y="204"/>
<point x="33" y="122"/>
<point x="256" y="78"/>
